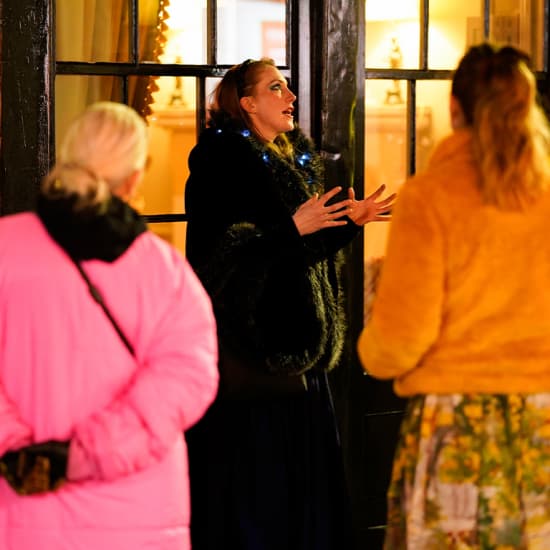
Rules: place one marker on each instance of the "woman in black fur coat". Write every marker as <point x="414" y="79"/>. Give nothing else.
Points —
<point x="264" y="238"/>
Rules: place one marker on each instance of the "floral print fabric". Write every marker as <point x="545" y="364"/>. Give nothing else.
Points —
<point x="472" y="472"/>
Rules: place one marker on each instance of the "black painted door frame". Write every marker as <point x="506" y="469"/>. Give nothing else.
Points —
<point x="27" y="65"/>
<point x="328" y="59"/>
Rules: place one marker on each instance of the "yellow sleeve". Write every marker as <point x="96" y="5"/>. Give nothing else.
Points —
<point x="406" y="314"/>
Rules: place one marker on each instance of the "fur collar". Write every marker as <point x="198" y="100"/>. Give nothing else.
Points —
<point x="297" y="179"/>
<point x="93" y="233"/>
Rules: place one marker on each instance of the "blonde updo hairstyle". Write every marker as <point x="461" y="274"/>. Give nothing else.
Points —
<point x="101" y="149"/>
<point x="497" y="92"/>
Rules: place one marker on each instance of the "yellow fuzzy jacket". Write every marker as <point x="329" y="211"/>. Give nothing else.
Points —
<point x="463" y="302"/>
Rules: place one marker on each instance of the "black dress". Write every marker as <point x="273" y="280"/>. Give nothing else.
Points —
<point x="265" y="461"/>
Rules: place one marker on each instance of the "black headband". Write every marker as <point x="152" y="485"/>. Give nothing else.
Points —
<point x="240" y="74"/>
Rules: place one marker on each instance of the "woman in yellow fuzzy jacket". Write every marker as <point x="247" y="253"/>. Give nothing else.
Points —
<point x="461" y="322"/>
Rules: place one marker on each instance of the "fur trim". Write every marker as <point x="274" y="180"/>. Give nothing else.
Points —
<point x="103" y="233"/>
<point x="275" y="306"/>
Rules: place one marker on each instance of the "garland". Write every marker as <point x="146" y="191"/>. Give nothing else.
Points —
<point x="298" y="180"/>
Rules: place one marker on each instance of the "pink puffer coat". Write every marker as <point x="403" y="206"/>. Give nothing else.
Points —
<point x="65" y="374"/>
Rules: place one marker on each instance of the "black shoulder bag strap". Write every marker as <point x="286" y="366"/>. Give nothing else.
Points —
<point x="96" y="295"/>
<point x="42" y="467"/>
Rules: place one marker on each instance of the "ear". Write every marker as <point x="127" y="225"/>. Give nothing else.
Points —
<point x="457" y="114"/>
<point x="247" y="103"/>
<point x="126" y="190"/>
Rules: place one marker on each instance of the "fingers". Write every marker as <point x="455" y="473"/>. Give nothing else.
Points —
<point x="315" y="214"/>
<point x="313" y="199"/>
<point x="387" y="200"/>
<point x="329" y="194"/>
<point x="339" y="207"/>
<point x="377" y="193"/>
<point x="373" y="196"/>
<point x="331" y="215"/>
<point x="334" y="218"/>
<point x="336" y="207"/>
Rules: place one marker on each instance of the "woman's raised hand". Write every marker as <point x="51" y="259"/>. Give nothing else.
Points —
<point x="315" y="214"/>
<point x="369" y="209"/>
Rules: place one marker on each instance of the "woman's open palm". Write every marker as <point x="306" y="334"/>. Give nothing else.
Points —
<point x="369" y="209"/>
<point x="315" y="214"/>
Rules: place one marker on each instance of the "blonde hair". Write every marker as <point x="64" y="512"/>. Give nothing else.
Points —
<point x="497" y="92"/>
<point x="100" y="150"/>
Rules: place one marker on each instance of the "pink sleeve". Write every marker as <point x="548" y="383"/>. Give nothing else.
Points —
<point x="171" y="391"/>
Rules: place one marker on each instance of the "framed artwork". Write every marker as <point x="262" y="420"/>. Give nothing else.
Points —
<point x="274" y="41"/>
<point x="517" y="23"/>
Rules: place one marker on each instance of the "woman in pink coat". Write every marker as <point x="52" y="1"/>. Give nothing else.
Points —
<point x="115" y="464"/>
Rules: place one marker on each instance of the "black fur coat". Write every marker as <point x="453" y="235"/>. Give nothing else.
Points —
<point x="276" y="294"/>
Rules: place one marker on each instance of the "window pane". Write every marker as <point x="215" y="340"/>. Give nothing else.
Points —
<point x="433" y="98"/>
<point x="172" y="135"/>
<point x="386" y="151"/>
<point x="172" y="232"/>
<point x="453" y="27"/>
<point x="392" y="34"/>
<point x="174" y="94"/>
<point x="210" y="86"/>
<point x="152" y="29"/>
<point x="385" y="92"/>
<point x="386" y="162"/>
<point x="182" y="38"/>
<point x="251" y="29"/>
<point x="74" y="93"/>
<point x="92" y="30"/>
<point x="519" y="23"/>
<point x="98" y="30"/>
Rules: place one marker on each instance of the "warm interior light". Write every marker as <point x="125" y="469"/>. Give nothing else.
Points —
<point x="181" y="48"/>
<point x="391" y="10"/>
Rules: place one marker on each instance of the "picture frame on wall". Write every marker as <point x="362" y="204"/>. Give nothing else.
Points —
<point x="274" y="41"/>
<point x="519" y="24"/>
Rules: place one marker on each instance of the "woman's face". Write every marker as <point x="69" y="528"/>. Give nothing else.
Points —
<point x="270" y="105"/>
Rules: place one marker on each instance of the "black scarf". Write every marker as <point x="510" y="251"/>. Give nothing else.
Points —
<point x="102" y="232"/>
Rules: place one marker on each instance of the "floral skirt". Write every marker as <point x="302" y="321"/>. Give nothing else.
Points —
<point x="472" y="472"/>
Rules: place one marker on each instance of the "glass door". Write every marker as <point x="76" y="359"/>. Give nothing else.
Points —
<point x="411" y="49"/>
<point x="163" y="58"/>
